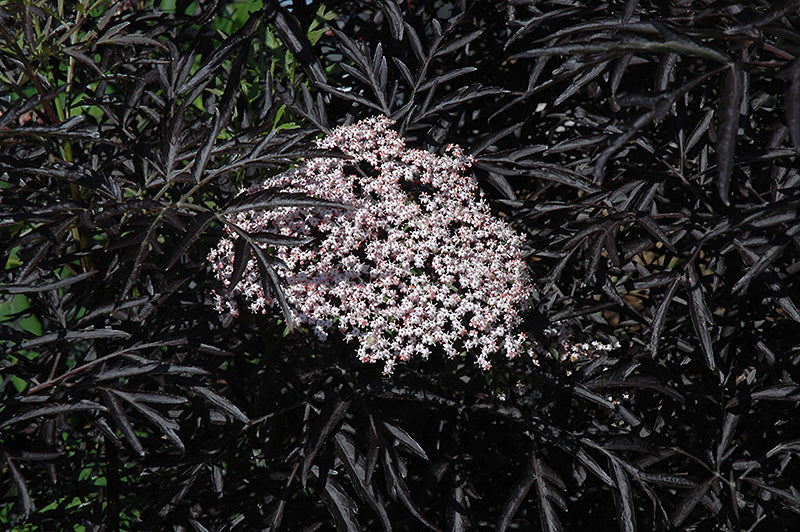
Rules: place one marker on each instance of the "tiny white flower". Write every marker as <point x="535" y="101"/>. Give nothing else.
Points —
<point x="416" y="262"/>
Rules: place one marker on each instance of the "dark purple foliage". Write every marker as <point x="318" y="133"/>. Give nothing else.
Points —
<point x="647" y="150"/>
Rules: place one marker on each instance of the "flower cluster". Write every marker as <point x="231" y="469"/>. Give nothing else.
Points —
<point x="567" y="349"/>
<point x="413" y="261"/>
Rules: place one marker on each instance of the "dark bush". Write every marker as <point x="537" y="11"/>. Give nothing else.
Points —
<point x="647" y="150"/>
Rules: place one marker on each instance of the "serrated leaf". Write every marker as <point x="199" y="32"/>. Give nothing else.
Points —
<point x="222" y="114"/>
<point x="373" y="440"/>
<point x="158" y="398"/>
<point x="774" y="11"/>
<point x="652" y="227"/>
<point x="771" y="279"/>
<point x="225" y="404"/>
<point x="141" y="255"/>
<point x="689" y="502"/>
<point x="730" y="101"/>
<point x="122" y="421"/>
<point x="345" y="95"/>
<point x="198" y="527"/>
<point x="518" y="494"/>
<point x="489" y="140"/>
<point x="789" y="497"/>
<point x="217" y="479"/>
<point x="547" y="514"/>
<point x="445" y="77"/>
<point x="404" y="71"/>
<point x="129" y="39"/>
<point x="401" y="490"/>
<point x="632" y="45"/>
<point x="340" y="505"/>
<point x="346" y="451"/>
<point x="580" y="81"/>
<point x="394" y="16"/>
<point x="22" y="487"/>
<point x="81" y="406"/>
<point x="758" y="267"/>
<point x="728" y="427"/>
<point x="204" y="74"/>
<point x="540" y="170"/>
<point x="620" y="67"/>
<point x="663" y="479"/>
<point x="62" y="283"/>
<point x="626" y="513"/>
<point x="295" y="40"/>
<point x="461" y="96"/>
<point x="404" y="438"/>
<point x="457" y="518"/>
<point x="592" y="465"/>
<point x="85" y="334"/>
<point x="700" y="316"/>
<point x="700" y="129"/>
<point x="458" y="43"/>
<point x="26" y="105"/>
<point x="328" y="419"/>
<point x="270" y="281"/>
<point x="787" y="392"/>
<point x="792" y="103"/>
<point x="198" y="227"/>
<point x="414" y="41"/>
<point x="630" y="9"/>
<point x="75" y="51"/>
<point x="127" y="371"/>
<point x="356" y="73"/>
<point x="167" y="426"/>
<point x="241" y="255"/>
<point x="275" y="239"/>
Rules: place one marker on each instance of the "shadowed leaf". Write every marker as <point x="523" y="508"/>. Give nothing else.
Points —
<point x="728" y="112"/>
<point x="328" y="420"/>
<point x="22" y="487"/>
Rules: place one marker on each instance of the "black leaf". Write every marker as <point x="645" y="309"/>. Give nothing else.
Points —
<point x="626" y="513"/>
<point x="198" y="227"/>
<point x="167" y="426"/>
<point x="85" y="334"/>
<point x="400" y="489"/>
<point x="225" y="404"/>
<point x="404" y="438"/>
<point x="394" y="16"/>
<point x="341" y="506"/>
<point x="328" y="420"/>
<point x="700" y="315"/>
<point x="731" y="94"/>
<point x="63" y="283"/>
<point x="458" y="43"/>
<point x="296" y="41"/>
<point x="222" y="114"/>
<point x="204" y="74"/>
<point x="792" y="101"/>
<point x="22" y="487"/>
<point x="81" y="406"/>
<point x="346" y="451"/>
<point x="122" y="421"/>
<point x="652" y="227"/>
<point x="240" y="257"/>
<point x="689" y="502"/>
<point x="518" y="494"/>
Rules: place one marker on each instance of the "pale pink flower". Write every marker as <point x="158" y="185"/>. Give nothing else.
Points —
<point x="415" y="262"/>
<point x="568" y="349"/>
